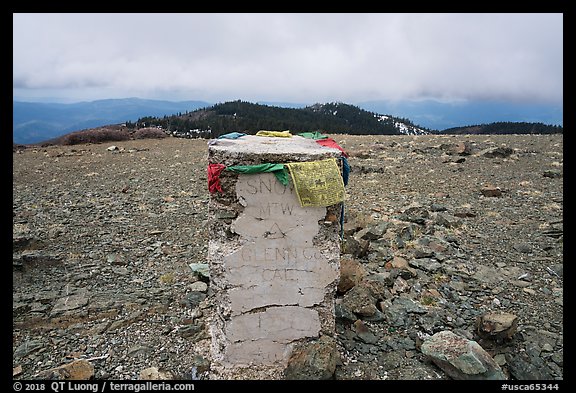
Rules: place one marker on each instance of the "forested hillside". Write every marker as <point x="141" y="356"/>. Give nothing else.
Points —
<point x="506" y="128"/>
<point x="242" y="116"/>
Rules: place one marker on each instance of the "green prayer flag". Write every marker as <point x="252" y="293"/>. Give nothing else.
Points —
<point x="279" y="170"/>
<point x="312" y="135"/>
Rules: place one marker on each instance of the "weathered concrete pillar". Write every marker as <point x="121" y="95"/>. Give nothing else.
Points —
<point x="274" y="265"/>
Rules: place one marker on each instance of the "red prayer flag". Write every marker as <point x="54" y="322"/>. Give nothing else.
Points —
<point x="214" y="171"/>
<point x="329" y="142"/>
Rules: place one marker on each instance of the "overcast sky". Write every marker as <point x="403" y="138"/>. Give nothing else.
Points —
<point x="304" y="58"/>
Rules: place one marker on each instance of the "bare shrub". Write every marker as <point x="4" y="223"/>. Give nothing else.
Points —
<point x="98" y="135"/>
<point x="148" y="132"/>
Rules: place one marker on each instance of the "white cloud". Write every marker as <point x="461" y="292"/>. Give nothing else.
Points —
<point x="299" y="57"/>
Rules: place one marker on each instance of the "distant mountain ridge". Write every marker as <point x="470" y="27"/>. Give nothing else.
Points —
<point x="36" y="122"/>
<point x="505" y="127"/>
<point x="438" y="115"/>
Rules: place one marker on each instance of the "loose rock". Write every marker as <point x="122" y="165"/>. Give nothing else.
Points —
<point x="498" y="326"/>
<point x="461" y="358"/>
<point x="315" y="360"/>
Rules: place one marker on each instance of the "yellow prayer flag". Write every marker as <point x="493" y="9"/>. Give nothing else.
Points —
<point x="284" y="134"/>
<point x="317" y="183"/>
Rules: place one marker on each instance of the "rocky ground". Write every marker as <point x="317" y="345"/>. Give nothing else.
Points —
<point x="441" y="232"/>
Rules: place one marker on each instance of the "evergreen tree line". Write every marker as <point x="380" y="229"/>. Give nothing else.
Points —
<point x="241" y="116"/>
<point x="330" y="118"/>
<point x="506" y="127"/>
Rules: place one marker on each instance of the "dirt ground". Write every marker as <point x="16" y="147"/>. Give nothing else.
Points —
<point x="103" y="239"/>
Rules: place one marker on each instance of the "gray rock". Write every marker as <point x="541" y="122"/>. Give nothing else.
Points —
<point x="558" y="269"/>
<point x="490" y="190"/>
<point x="380" y="250"/>
<point x="464" y="212"/>
<point x="193" y="299"/>
<point x="426" y="264"/>
<point x="313" y="360"/>
<point x="194" y="331"/>
<point x="68" y="303"/>
<point x="201" y="366"/>
<point x="343" y="314"/>
<point x="552" y="173"/>
<point x="459" y="148"/>
<point x="396" y="312"/>
<point x="361" y="301"/>
<point x="526" y="366"/>
<point x="497" y="325"/>
<point x="39" y="259"/>
<point x="383" y="279"/>
<point x="76" y="370"/>
<point x="120" y="270"/>
<point x="363" y="332"/>
<point x="373" y="232"/>
<point x="435" y="207"/>
<point x="358" y="248"/>
<point x="488" y="275"/>
<point x="409" y="305"/>
<point x="201" y="269"/>
<point x="400" y="285"/>
<point x="351" y="273"/>
<point x="423" y="252"/>
<point x="415" y="214"/>
<point x="400" y="266"/>
<point x="433" y="321"/>
<point x="447" y="220"/>
<point x="522" y="247"/>
<point x="406" y="232"/>
<point x="198" y="286"/>
<point x="139" y="349"/>
<point x="155" y="374"/>
<point x="461" y="358"/>
<point x="116" y="259"/>
<point x="27" y="348"/>
<point x="20" y="243"/>
<point x="496" y="152"/>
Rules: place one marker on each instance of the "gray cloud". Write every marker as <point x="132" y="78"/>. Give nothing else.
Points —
<point x="290" y="57"/>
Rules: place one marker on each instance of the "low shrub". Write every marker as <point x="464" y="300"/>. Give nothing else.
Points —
<point x="98" y="135"/>
<point x="144" y="133"/>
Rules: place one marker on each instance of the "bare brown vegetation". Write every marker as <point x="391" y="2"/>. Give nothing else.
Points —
<point x="112" y="133"/>
<point x="145" y="133"/>
<point x="97" y="135"/>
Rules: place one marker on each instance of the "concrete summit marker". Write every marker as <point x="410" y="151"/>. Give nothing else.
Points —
<point x="274" y="265"/>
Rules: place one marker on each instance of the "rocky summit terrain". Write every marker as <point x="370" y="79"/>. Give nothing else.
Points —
<point x="447" y="240"/>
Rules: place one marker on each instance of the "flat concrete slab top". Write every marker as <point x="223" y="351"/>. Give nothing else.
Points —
<point x="252" y="144"/>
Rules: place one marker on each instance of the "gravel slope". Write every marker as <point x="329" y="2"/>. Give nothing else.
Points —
<point x="103" y="239"/>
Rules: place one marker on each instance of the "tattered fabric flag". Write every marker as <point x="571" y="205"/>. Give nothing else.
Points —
<point x="232" y="135"/>
<point x="283" y="134"/>
<point x="345" y="170"/>
<point x="323" y="140"/>
<point x="317" y="183"/>
<point x="329" y="142"/>
<point x="312" y="135"/>
<point x="214" y="171"/>
<point x="279" y="170"/>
